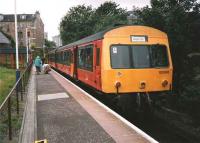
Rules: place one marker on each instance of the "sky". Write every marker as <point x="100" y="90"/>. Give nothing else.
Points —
<point x="52" y="11"/>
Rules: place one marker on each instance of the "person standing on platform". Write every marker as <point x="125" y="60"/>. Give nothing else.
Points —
<point x="38" y="64"/>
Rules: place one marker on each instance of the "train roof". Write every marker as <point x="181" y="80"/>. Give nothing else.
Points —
<point x="97" y="36"/>
<point x="90" y="38"/>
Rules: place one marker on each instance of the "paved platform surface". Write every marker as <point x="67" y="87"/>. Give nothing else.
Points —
<point x="60" y="117"/>
<point x="66" y="114"/>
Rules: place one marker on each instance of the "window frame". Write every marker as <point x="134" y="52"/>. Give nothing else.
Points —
<point x="92" y="64"/>
<point x="129" y="45"/>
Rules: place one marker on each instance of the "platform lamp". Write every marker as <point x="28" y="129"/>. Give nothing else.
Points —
<point x="27" y="42"/>
<point x="16" y="43"/>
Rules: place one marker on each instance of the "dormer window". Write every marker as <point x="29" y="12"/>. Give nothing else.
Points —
<point x="23" y="17"/>
<point x="1" y="17"/>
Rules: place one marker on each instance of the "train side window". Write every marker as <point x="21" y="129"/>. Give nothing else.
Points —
<point x="97" y="56"/>
<point x="72" y="57"/>
<point x="85" y="58"/>
<point x="68" y="60"/>
<point x="81" y="58"/>
<point x="89" y="58"/>
<point x="58" y="56"/>
<point x="63" y="57"/>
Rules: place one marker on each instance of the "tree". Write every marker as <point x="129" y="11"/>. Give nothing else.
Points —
<point x="82" y="20"/>
<point x="49" y="44"/>
<point x="176" y="18"/>
<point x="76" y="24"/>
<point x="180" y="19"/>
<point x="109" y="14"/>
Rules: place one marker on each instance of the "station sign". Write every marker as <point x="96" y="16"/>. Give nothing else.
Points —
<point x="139" y="38"/>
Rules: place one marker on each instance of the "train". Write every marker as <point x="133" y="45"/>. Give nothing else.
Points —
<point x="125" y="60"/>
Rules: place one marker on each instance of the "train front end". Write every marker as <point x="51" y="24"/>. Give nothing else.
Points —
<point x="136" y="59"/>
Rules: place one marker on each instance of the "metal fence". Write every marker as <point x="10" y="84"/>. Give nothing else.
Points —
<point x="12" y="109"/>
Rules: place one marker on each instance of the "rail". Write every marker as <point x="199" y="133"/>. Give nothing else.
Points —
<point x="11" y="110"/>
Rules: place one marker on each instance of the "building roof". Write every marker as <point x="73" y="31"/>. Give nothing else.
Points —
<point x="20" y="17"/>
<point x="4" y="39"/>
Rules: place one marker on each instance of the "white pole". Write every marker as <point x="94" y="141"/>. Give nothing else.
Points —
<point x="27" y="46"/>
<point x="16" y="38"/>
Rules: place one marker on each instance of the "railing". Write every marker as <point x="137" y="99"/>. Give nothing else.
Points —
<point x="12" y="108"/>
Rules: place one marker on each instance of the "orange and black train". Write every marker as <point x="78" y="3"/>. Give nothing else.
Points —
<point x="125" y="59"/>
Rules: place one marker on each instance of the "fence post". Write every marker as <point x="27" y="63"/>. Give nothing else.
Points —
<point x="24" y="82"/>
<point x="9" y="120"/>
<point x="17" y="99"/>
<point x="21" y="89"/>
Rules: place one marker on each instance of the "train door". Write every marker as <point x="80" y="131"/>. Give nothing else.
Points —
<point x="71" y="62"/>
<point x="75" y="62"/>
<point x="97" y="66"/>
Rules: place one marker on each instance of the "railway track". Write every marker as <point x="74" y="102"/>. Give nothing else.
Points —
<point x="164" y="124"/>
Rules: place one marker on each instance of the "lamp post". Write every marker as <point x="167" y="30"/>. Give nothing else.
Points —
<point x="16" y="43"/>
<point x="27" y="43"/>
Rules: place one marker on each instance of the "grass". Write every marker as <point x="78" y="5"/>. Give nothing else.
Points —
<point x="7" y="80"/>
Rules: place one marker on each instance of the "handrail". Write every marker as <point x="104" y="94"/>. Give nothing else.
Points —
<point x="15" y="86"/>
<point x="19" y="87"/>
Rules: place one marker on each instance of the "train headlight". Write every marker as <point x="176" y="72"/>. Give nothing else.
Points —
<point x="164" y="83"/>
<point x="117" y="84"/>
<point x="142" y="85"/>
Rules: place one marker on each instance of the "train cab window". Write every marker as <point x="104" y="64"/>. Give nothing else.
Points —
<point x="120" y="57"/>
<point x="85" y="58"/>
<point x="139" y="56"/>
<point x="159" y="56"/>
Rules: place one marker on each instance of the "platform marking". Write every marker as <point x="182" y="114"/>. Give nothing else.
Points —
<point x="139" y="131"/>
<point x="52" y="96"/>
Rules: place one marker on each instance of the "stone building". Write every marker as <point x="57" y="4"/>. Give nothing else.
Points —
<point x="30" y="22"/>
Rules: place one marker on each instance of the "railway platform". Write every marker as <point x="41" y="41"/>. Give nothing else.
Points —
<point x="60" y="112"/>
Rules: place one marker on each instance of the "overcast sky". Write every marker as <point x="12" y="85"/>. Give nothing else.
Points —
<point x="52" y="11"/>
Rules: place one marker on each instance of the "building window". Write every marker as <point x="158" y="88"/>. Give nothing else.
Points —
<point x="8" y="29"/>
<point x="23" y="17"/>
<point x="1" y="17"/>
<point x="20" y="34"/>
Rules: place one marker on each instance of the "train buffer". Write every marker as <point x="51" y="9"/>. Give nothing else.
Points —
<point x="60" y="112"/>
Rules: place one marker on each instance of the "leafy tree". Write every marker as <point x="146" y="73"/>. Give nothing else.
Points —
<point x="177" y="18"/>
<point x="82" y="20"/>
<point x="109" y="14"/>
<point x="49" y="44"/>
<point x="77" y="24"/>
<point x="180" y="19"/>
